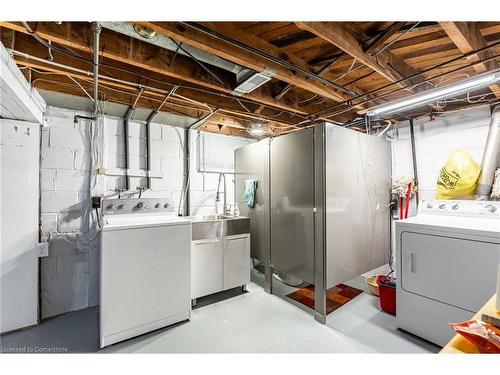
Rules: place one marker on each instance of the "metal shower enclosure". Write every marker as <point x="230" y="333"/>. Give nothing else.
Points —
<point x="322" y="205"/>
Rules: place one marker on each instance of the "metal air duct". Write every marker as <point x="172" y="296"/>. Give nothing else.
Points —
<point x="490" y="158"/>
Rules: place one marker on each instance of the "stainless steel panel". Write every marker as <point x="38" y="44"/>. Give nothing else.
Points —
<point x="213" y="226"/>
<point x="357" y="182"/>
<point x="319" y="225"/>
<point x="292" y="203"/>
<point x="252" y="163"/>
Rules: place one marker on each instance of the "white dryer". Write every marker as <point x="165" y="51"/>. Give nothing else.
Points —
<point x="447" y="262"/>
<point x="145" y="268"/>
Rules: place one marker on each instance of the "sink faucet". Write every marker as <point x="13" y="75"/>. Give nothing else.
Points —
<point x="217" y="195"/>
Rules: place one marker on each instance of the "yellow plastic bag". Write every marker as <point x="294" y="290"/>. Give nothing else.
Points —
<point x="457" y="179"/>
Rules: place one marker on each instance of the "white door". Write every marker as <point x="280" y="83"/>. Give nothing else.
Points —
<point x="236" y="260"/>
<point x="206" y="267"/>
<point x="19" y="167"/>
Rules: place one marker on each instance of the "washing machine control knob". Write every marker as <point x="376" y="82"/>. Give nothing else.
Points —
<point x="442" y="206"/>
<point x="120" y="206"/>
<point x="429" y="205"/>
<point x="455" y="206"/>
<point x="140" y="205"/>
<point x="157" y="205"/>
<point x="166" y="205"/>
<point x="109" y="206"/>
<point x="491" y="208"/>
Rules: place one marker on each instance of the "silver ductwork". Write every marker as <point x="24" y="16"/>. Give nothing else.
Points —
<point x="127" y="28"/>
<point x="490" y="158"/>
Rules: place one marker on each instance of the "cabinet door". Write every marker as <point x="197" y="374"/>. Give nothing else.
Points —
<point x="206" y="267"/>
<point x="236" y="260"/>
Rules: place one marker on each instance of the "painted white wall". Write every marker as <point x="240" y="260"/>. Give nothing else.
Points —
<point x="434" y="141"/>
<point x="19" y="166"/>
<point x="70" y="275"/>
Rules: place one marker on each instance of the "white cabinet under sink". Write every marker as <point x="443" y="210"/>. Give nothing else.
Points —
<point x="219" y="264"/>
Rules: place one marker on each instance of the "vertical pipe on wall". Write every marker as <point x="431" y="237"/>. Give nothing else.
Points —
<point x="148" y="147"/>
<point x="96" y="27"/>
<point x="187" y="161"/>
<point x="414" y="160"/>
<point x="126" y="119"/>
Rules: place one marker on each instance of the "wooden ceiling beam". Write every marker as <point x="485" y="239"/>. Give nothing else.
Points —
<point x="28" y="45"/>
<point x="242" y="57"/>
<point x="467" y="37"/>
<point x="385" y="63"/>
<point x="133" y="52"/>
<point x="62" y="85"/>
<point x="384" y="36"/>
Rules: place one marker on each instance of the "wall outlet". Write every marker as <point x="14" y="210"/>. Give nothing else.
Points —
<point x="96" y="202"/>
<point x="42" y="249"/>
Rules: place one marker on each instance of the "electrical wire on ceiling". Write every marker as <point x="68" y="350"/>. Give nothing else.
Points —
<point x="396" y="39"/>
<point x="417" y="74"/>
<point x="353" y="105"/>
<point x="71" y="53"/>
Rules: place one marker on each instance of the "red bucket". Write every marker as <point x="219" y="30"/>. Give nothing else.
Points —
<point x="387" y="290"/>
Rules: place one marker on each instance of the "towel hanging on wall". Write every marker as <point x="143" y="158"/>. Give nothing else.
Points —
<point x="249" y="194"/>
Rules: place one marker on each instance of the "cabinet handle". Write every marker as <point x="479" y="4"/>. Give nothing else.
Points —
<point x="201" y="242"/>
<point x="411" y="262"/>
<point x="237" y="238"/>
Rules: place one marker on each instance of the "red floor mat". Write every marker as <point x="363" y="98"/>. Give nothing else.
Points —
<point x="335" y="297"/>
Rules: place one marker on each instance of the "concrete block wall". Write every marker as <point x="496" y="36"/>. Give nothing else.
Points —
<point x="434" y="141"/>
<point x="70" y="274"/>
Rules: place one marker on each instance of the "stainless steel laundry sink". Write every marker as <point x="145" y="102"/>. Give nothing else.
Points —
<point x="213" y="226"/>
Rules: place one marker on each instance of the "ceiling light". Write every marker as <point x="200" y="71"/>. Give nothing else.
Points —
<point x="144" y="32"/>
<point x="252" y="82"/>
<point x="478" y="82"/>
<point x="257" y="128"/>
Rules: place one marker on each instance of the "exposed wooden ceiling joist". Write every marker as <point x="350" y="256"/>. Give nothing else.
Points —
<point x="241" y="57"/>
<point x="136" y="53"/>
<point x="385" y="63"/>
<point x="467" y="38"/>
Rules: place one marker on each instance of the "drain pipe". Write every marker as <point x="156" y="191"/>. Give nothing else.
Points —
<point x="149" y="120"/>
<point x="126" y="119"/>
<point x="490" y="158"/>
<point x="185" y="201"/>
<point x="96" y="27"/>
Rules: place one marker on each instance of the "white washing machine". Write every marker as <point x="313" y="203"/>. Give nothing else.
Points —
<point x="145" y="268"/>
<point x="447" y="262"/>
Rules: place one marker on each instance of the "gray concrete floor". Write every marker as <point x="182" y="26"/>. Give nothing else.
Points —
<point x="235" y="322"/>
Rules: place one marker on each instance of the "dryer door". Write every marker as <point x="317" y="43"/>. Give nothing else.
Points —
<point x="455" y="271"/>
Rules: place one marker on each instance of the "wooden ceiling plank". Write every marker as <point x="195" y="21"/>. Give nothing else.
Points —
<point x="467" y="37"/>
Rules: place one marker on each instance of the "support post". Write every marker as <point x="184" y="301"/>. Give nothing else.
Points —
<point x="319" y="225"/>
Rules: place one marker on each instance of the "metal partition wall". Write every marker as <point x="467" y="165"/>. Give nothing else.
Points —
<point x="252" y="163"/>
<point x="292" y="204"/>
<point x="326" y="219"/>
<point x="357" y="196"/>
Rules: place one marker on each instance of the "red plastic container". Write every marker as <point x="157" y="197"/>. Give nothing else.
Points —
<point x="387" y="290"/>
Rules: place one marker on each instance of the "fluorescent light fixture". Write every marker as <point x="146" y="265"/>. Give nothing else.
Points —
<point x="478" y="82"/>
<point x="257" y="129"/>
